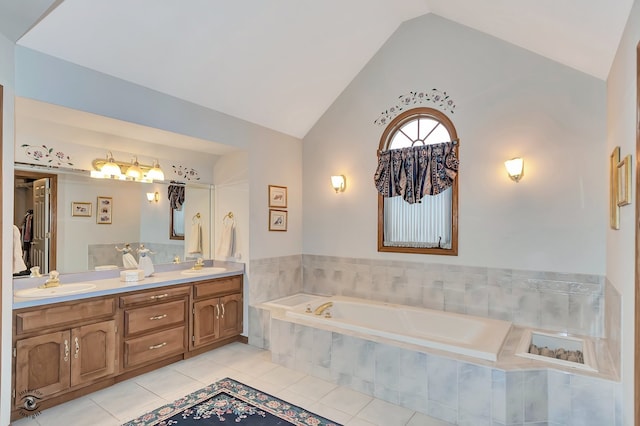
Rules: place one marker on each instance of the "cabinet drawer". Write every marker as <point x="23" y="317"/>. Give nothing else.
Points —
<point x="217" y="287"/>
<point x="153" y="296"/>
<point x="59" y="315"/>
<point x="154" y="347"/>
<point x="154" y="317"/>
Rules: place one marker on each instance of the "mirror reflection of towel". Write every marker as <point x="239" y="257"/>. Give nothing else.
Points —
<point x="226" y="246"/>
<point x="195" y="238"/>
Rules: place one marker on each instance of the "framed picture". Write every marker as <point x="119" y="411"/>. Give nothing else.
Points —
<point x="614" y="209"/>
<point x="81" y="208"/>
<point x="277" y="196"/>
<point x="104" y="210"/>
<point x="277" y="220"/>
<point x="624" y="181"/>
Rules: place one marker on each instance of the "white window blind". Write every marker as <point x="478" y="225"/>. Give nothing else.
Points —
<point x="423" y="224"/>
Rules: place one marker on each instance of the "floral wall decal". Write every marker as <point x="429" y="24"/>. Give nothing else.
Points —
<point x="186" y="173"/>
<point x="434" y="96"/>
<point x="44" y="154"/>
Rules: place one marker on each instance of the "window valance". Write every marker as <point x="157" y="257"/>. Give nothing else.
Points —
<point x="416" y="171"/>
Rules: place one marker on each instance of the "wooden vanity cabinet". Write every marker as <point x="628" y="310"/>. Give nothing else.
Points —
<point x="155" y="325"/>
<point x="217" y="310"/>
<point x="65" y="350"/>
<point x="51" y="357"/>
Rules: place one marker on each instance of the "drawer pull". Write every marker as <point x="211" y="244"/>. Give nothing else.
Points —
<point x="75" y="355"/>
<point x="66" y="350"/>
<point x="158" y="317"/>
<point x="159" y="296"/>
<point x="159" y="345"/>
<point x="217" y="311"/>
<point x="223" y="310"/>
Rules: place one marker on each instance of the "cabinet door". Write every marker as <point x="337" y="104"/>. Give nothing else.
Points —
<point x="230" y="315"/>
<point x="93" y="352"/>
<point x="206" y="318"/>
<point x="42" y="365"/>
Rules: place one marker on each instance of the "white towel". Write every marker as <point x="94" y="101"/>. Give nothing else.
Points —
<point x="18" y="263"/>
<point x="195" y="238"/>
<point x="226" y="245"/>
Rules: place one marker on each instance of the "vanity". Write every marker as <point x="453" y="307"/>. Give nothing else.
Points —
<point x="70" y="345"/>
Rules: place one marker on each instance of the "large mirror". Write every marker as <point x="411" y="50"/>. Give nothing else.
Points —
<point x="59" y="200"/>
<point x="67" y="234"/>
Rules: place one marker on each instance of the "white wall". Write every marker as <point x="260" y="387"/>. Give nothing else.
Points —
<point x="509" y="102"/>
<point x="6" y="80"/>
<point x="621" y="131"/>
<point x="275" y="164"/>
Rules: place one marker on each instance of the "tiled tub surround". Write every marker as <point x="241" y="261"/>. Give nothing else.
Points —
<point x="451" y="388"/>
<point x="454" y="388"/>
<point x="275" y="277"/>
<point x="612" y="322"/>
<point x="571" y="303"/>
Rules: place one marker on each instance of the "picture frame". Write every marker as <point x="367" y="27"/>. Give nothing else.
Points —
<point x="104" y="210"/>
<point x="624" y="181"/>
<point x="277" y="196"/>
<point x="81" y="208"/>
<point x="277" y="220"/>
<point x="614" y="209"/>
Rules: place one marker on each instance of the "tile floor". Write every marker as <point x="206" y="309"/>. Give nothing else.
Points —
<point x="247" y="364"/>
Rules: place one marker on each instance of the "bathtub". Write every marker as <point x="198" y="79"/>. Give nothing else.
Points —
<point x="462" y="334"/>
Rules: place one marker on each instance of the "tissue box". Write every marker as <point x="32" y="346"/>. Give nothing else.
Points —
<point x="131" y="275"/>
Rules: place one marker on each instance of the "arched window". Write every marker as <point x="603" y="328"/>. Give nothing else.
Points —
<point x="418" y="185"/>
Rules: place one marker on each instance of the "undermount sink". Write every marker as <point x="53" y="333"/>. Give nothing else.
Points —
<point x="204" y="271"/>
<point x="61" y="290"/>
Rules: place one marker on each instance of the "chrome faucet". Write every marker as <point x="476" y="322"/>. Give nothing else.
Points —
<point x="320" y="309"/>
<point x="52" y="281"/>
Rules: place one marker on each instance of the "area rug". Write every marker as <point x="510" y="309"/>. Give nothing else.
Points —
<point x="228" y="402"/>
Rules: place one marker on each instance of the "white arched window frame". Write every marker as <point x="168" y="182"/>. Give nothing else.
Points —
<point x="431" y="225"/>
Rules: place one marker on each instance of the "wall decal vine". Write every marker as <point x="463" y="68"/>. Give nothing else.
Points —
<point x="435" y="96"/>
<point x="44" y="154"/>
<point x="186" y="173"/>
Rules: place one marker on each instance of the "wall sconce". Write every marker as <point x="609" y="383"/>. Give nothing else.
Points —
<point x="515" y="168"/>
<point x="153" y="196"/>
<point x="112" y="169"/>
<point x="338" y="182"/>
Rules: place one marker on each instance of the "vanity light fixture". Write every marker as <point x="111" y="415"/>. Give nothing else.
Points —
<point x="515" y="168"/>
<point x="153" y="196"/>
<point x="110" y="168"/>
<point x="133" y="171"/>
<point x="338" y="182"/>
<point x="156" y="172"/>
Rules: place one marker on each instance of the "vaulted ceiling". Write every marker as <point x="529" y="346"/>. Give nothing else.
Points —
<point x="281" y="63"/>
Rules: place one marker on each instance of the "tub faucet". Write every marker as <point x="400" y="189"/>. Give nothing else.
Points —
<point x="320" y="309"/>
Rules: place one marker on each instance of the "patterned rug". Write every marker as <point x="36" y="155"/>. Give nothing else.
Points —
<point x="228" y="402"/>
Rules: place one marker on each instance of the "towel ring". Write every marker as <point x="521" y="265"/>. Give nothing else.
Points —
<point x="228" y="216"/>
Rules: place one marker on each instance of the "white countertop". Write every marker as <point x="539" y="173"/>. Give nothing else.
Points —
<point x="108" y="282"/>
